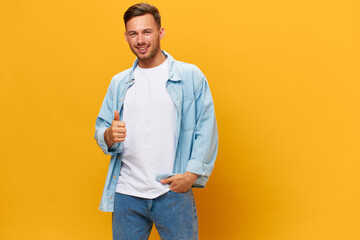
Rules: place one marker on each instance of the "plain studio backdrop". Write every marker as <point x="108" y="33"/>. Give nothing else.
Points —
<point x="284" y="75"/>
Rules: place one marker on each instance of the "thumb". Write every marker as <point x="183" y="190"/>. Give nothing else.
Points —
<point x="166" y="180"/>
<point x="116" y="116"/>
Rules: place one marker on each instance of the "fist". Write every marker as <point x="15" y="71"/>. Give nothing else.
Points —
<point x="116" y="132"/>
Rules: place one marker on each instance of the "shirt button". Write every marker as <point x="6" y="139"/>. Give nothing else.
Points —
<point x="114" y="177"/>
<point x="118" y="157"/>
<point x="110" y="197"/>
<point x="120" y="99"/>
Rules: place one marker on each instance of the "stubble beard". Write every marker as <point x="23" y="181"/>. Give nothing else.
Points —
<point x="151" y="55"/>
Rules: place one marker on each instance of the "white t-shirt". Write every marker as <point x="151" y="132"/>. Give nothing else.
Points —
<point x="149" y="146"/>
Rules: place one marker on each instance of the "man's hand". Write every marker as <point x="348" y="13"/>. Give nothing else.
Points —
<point x="180" y="183"/>
<point x="116" y="132"/>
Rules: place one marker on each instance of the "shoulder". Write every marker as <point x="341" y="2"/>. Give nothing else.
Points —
<point x="191" y="76"/>
<point x="121" y="77"/>
<point x="183" y="69"/>
<point x="187" y="68"/>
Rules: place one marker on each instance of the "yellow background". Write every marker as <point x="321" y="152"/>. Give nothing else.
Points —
<point x="284" y="75"/>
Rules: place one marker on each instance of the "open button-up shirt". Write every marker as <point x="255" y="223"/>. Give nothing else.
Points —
<point x="196" y="129"/>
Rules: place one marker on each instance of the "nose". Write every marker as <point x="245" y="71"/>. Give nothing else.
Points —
<point x="141" y="39"/>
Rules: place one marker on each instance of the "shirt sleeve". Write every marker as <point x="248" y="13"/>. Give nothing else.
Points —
<point x="205" y="142"/>
<point x="103" y="121"/>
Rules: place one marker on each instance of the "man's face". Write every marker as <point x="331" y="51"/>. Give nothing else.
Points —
<point x="143" y="35"/>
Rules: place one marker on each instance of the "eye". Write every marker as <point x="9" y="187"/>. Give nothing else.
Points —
<point x="147" y="32"/>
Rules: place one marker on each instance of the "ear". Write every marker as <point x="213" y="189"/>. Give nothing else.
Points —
<point x="125" y="35"/>
<point x="162" y="33"/>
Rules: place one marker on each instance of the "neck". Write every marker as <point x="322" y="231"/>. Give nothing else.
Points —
<point x="158" y="59"/>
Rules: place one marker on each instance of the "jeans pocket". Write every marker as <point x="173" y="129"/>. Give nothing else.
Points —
<point x="178" y="192"/>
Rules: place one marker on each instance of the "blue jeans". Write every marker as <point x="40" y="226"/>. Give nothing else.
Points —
<point x="173" y="214"/>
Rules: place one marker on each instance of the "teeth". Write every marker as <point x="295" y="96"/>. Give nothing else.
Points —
<point x="142" y="48"/>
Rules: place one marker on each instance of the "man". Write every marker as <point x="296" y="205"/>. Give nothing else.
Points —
<point x="157" y="122"/>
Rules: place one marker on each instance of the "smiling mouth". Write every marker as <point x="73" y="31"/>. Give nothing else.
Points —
<point x="142" y="49"/>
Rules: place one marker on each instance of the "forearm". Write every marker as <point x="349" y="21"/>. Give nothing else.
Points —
<point x="107" y="138"/>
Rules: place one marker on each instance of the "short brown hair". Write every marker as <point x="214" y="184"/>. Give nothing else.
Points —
<point x="141" y="9"/>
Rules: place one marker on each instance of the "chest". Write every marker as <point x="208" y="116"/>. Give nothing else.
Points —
<point x="148" y="94"/>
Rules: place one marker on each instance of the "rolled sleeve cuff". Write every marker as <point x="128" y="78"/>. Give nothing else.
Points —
<point x="200" y="182"/>
<point x="114" y="149"/>
<point x="199" y="168"/>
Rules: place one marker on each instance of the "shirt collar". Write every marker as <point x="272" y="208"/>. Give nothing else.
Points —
<point x="173" y="71"/>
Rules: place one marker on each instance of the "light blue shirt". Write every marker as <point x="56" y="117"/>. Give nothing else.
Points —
<point x="196" y="129"/>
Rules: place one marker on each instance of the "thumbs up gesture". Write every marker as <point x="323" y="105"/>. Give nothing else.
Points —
<point x="116" y="132"/>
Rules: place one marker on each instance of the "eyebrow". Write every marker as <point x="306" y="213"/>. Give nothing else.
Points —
<point x="146" y="29"/>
